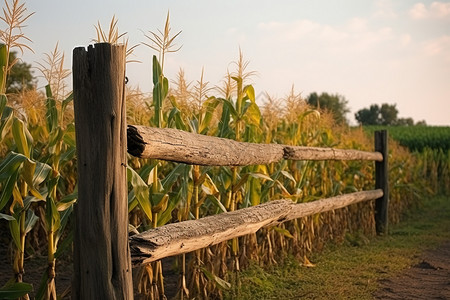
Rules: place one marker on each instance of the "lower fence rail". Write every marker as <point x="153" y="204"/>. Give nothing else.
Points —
<point x="187" y="236"/>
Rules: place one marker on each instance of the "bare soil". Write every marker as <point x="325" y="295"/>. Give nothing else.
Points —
<point x="428" y="279"/>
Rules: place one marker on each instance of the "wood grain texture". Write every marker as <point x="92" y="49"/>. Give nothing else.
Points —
<point x="191" y="148"/>
<point x="102" y="265"/>
<point x="187" y="236"/>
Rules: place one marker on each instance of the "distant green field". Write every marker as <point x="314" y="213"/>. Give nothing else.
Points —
<point x="417" y="138"/>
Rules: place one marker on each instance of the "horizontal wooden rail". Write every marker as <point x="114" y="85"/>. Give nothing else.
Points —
<point x="191" y="148"/>
<point x="187" y="236"/>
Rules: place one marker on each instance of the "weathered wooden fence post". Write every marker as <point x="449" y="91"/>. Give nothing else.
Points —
<point x="382" y="182"/>
<point x="102" y="265"/>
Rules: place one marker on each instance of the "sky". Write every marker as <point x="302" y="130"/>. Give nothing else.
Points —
<point x="370" y="52"/>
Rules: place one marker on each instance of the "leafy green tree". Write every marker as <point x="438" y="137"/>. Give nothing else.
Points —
<point x="336" y="104"/>
<point x="20" y="77"/>
<point x="387" y="115"/>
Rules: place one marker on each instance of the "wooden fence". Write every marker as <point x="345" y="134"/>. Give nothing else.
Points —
<point x="102" y="251"/>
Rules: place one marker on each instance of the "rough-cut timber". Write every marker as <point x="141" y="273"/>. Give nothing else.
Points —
<point x="316" y="153"/>
<point x="322" y="205"/>
<point x="178" y="238"/>
<point x="102" y="264"/>
<point x="181" y="146"/>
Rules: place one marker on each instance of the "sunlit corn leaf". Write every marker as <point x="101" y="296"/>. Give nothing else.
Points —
<point x="289" y="176"/>
<point x="307" y="263"/>
<point x="252" y="115"/>
<point x="20" y="137"/>
<point x="208" y="186"/>
<point x="250" y="92"/>
<point x="14" y="290"/>
<point x="283" y="231"/>
<point x="67" y="201"/>
<point x="6" y="120"/>
<point x="219" y="281"/>
<point x="208" y="108"/>
<point x="140" y="190"/>
<point x="254" y="191"/>
<point x="159" y="202"/>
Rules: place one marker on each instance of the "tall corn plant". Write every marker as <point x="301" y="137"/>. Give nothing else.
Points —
<point x="20" y="176"/>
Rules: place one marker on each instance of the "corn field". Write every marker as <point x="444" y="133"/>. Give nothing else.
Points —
<point x="38" y="176"/>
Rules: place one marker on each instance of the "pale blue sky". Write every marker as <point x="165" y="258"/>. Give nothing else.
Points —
<point x="382" y="51"/>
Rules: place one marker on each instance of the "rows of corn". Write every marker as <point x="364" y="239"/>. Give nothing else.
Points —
<point x="38" y="174"/>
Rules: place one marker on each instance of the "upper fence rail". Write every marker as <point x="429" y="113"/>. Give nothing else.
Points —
<point x="191" y="148"/>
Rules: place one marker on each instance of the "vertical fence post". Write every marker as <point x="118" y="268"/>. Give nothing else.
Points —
<point x="102" y="264"/>
<point x="382" y="182"/>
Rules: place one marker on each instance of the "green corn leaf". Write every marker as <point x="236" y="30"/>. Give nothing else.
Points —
<point x="20" y="137"/>
<point x="14" y="290"/>
<point x="30" y="220"/>
<point x="7" y="189"/>
<point x="156" y="70"/>
<point x="40" y="173"/>
<point x="15" y="233"/>
<point x="232" y="111"/>
<point x="141" y="191"/>
<point x="52" y="216"/>
<point x="51" y="114"/>
<point x="217" y="203"/>
<point x="3" y="102"/>
<point x="6" y="217"/>
<point x="66" y="102"/>
<point x="3" y="62"/>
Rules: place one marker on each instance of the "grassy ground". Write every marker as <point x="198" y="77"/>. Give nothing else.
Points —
<point x="352" y="270"/>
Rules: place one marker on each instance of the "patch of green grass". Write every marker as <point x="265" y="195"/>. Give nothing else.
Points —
<point x="351" y="270"/>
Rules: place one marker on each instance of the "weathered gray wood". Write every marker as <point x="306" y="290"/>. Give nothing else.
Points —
<point x="102" y="264"/>
<point x="322" y="205"/>
<point x="181" y="146"/>
<point x="183" y="237"/>
<point x="382" y="182"/>
<point x="316" y="153"/>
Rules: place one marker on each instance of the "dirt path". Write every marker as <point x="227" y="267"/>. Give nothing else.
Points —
<point x="429" y="279"/>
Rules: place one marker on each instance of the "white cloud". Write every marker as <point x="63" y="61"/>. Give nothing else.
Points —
<point x="439" y="47"/>
<point x="354" y="36"/>
<point x="436" y="10"/>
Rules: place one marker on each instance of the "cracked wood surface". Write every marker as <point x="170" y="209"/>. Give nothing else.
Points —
<point x="191" y="148"/>
<point x="187" y="236"/>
